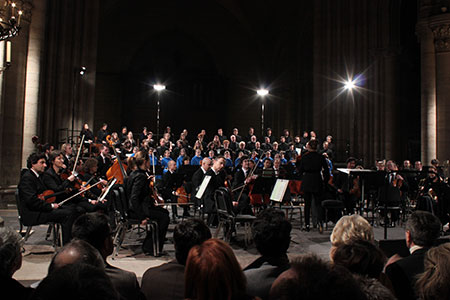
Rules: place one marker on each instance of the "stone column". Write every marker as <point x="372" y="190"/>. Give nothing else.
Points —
<point x="35" y="49"/>
<point x="428" y="92"/>
<point x="440" y="25"/>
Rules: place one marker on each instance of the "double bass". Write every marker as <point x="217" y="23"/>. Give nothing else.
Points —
<point x="118" y="169"/>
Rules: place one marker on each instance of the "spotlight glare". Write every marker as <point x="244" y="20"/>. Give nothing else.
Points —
<point x="349" y="84"/>
<point x="262" y="92"/>
<point x="159" y="87"/>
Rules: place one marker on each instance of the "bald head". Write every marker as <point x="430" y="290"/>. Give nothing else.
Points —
<point x="77" y="251"/>
<point x="206" y="163"/>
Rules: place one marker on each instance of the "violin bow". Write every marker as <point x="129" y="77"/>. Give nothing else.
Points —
<point x="78" y="154"/>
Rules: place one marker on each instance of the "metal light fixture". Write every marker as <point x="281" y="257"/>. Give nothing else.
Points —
<point x="10" y="20"/>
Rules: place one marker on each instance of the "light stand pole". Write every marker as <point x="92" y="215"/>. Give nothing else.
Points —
<point x="158" y="88"/>
<point x="262" y="93"/>
<point x="76" y="83"/>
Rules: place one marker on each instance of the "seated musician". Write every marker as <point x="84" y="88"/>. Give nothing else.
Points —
<point x="104" y="161"/>
<point x="88" y="135"/>
<point x="345" y="187"/>
<point x="142" y="204"/>
<point x="89" y="175"/>
<point x="439" y="191"/>
<point x="35" y="211"/>
<point x="170" y="182"/>
<point x="66" y="150"/>
<point x="53" y="181"/>
<point x="102" y="134"/>
<point x="393" y="193"/>
<point x="196" y="160"/>
<point x="241" y="188"/>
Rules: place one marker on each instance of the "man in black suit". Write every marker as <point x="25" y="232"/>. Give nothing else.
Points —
<point x="314" y="170"/>
<point x="217" y="180"/>
<point x="422" y="231"/>
<point x="239" y="183"/>
<point x="33" y="210"/>
<point x="104" y="162"/>
<point x="272" y="235"/>
<point x="94" y="229"/>
<point x="198" y="176"/>
<point x="170" y="182"/>
<point x="166" y="282"/>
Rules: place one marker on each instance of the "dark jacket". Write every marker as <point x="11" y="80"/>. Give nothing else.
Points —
<point x="30" y="186"/>
<point x="403" y="272"/>
<point x="138" y="191"/>
<point x="165" y="282"/>
<point x="315" y="172"/>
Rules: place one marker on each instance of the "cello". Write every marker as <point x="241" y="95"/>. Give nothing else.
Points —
<point x="117" y="170"/>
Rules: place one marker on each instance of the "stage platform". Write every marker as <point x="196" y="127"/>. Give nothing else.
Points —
<point x="38" y="251"/>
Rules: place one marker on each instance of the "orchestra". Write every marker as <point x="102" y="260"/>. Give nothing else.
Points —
<point x="249" y="167"/>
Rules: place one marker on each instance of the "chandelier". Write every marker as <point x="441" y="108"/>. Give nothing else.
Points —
<point x="9" y="20"/>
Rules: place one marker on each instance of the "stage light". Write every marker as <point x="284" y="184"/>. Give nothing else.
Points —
<point x="82" y="71"/>
<point x="159" y="87"/>
<point x="262" y="92"/>
<point x="349" y="84"/>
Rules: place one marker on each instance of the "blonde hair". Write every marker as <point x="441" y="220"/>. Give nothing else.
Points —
<point x="350" y="228"/>
<point x="433" y="282"/>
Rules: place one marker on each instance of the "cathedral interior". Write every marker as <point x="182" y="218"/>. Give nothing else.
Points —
<point x="213" y="55"/>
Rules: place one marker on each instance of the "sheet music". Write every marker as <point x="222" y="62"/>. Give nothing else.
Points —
<point x="203" y="186"/>
<point x="279" y="189"/>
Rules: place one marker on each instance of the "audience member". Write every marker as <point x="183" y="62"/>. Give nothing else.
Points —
<point x="272" y="236"/>
<point x="350" y="228"/>
<point x="94" y="229"/>
<point x="433" y="283"/>
<point x="77" y="251"/>
<point x="373" y="289"/>
<point x="360" y="257"/>
<point x="10" y="262"/>
<point x="213" y="272"/>
<point x="311" y="278"/>
<point x="171" y="275"/>
<point x="76" y="281"/>
<point x="422" y="231"/>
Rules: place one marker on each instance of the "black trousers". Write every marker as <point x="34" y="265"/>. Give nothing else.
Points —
<point x="160" y="216"/>
<point x="309" y="196"/>
<point x="65" y="215"/>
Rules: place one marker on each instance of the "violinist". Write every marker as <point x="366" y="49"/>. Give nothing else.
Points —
<point x="66" y="150"/>
<point x="104" y="161"/>
<point x="89" y="174"/>
<point x="344" y="185"/>
<point x="241" y="181"/>
<point x="170" y="182"/>
<point x="35" y="211"/>
<point x="217" y="180"/>
<point x="142" y="206"/>
<point x="53" y="181"/>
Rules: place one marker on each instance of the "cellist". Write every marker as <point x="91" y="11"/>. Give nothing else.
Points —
<point x="170" y="182"/>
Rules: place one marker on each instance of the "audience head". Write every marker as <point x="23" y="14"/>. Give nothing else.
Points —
<point x="271" y="233"/>
<point x="311" y="278"/>
<point x="360" y="257"/>
<point x="433" y="283"/>
<point x="188" y="234"/>
<point x="312" y="145"/>
<point x="373" y="289"/>
<point x="94" y="229"/>
<point x="77" y="251"/>
<point x="350" y="228"/>
<point x="213" y="272"/>
<point x="10" y="252"/>
<point x="422" y="229"/>
<point x="76" y="281"/>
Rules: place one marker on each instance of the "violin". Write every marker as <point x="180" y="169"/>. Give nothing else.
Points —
<point x="156" y="197"/>
<point x="183" y="196"/>
<point x="49" y="196"/>
<point x="65" y="174"/>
